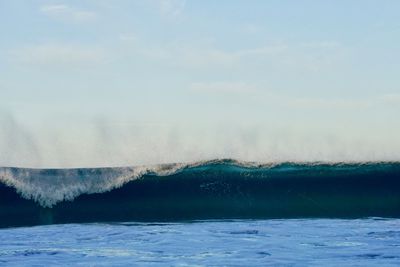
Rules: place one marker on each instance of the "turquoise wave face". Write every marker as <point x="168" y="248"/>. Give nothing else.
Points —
<point x="219" y="189"/>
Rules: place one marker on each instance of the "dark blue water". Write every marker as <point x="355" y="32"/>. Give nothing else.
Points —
<point x="289" y="242"/>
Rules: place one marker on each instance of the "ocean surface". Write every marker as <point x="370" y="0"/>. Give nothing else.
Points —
<point x="288" y="242"/>
<point x="209" y="213"/>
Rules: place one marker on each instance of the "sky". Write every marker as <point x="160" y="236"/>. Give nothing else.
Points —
<point x="114" y="83"/>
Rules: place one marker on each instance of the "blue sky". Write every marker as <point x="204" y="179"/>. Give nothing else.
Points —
<point x="100" y="83"/>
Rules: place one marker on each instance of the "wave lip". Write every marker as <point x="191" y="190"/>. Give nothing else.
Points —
<point x="51" y="186"/>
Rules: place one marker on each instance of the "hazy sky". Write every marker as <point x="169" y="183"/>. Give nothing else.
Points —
<point x="105" y="83"/>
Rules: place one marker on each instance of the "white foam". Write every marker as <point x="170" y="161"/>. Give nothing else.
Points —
<point x="48" y="188"/>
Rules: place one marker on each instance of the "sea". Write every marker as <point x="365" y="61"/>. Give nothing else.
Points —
<point x="275" y="242"/>
<point x="209" y="213"/>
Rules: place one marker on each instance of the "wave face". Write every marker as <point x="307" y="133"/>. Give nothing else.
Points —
<point x="217" y="189"/>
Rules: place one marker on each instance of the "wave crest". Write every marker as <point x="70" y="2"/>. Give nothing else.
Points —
<point x="50" y="186"/>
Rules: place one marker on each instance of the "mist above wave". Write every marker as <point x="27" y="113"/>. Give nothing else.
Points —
<point x="105" y="142"/>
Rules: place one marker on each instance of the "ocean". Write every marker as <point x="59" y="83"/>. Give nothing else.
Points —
<point x="209" y="213"/>
<point x="276" y="242"/>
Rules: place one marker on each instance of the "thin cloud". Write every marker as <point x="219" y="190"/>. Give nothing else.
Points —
<point x="198" y="57"/>
<point x="282" y="56"/>
<point x="393" y="99"/>
<point x="205" y="57"/>
<point x="64" y="12"/>
<point x="269" y="50"/>
<point x="343" y="103"/>
<point x="59" y="54"/>
<point x="321" y="44"/>
<point x="171" y="8"/>
<point x="330" y="103"/>
<point x="222" y="87"/>
<point x="250" y="28"/>
<point x="127" y="37"/>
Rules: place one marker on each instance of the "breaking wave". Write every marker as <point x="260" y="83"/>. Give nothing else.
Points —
<point x="207" y="189"/>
